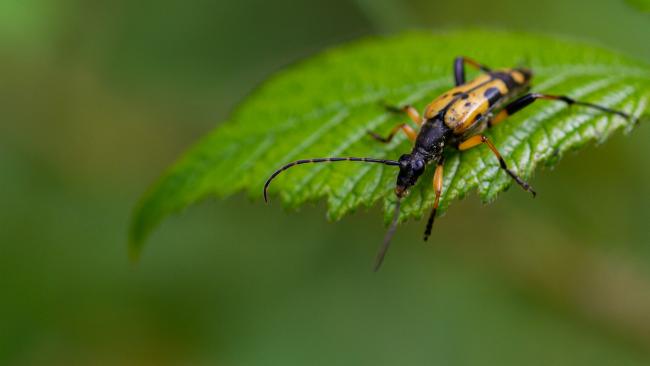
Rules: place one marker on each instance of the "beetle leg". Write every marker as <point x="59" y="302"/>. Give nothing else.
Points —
<point x="409" y="110"/>
<point x="408" y="130"/>
<point x="527" y="99"/>
<point x="481" y="139"/>
<point x="437" y="187"/>
<point x="459" y="68"/>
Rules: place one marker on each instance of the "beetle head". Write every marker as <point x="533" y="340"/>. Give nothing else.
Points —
<point x="411" y="168"/>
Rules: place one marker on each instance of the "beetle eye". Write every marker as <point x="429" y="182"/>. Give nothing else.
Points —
<point x="418" y="165"/>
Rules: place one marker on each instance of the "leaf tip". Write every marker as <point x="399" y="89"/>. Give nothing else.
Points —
<point x="141" y="225"/>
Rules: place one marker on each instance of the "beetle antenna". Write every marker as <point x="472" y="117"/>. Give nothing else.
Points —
<point x="387" y="239"/>
<point x="323" y="160"/>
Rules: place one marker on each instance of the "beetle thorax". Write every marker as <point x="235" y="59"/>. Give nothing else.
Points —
<point x="431" y="140"/>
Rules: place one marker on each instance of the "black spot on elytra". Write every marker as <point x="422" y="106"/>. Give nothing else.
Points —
<point x="492" y="95"/>
<point x="457" y="93"/>
<point x="467" y="104"/>
<point x="464" y="96"/>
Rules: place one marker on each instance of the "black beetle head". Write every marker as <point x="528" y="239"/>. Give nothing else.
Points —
<point x="411" y="168"/>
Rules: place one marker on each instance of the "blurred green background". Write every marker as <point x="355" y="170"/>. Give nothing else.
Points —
<point x="97" y="98"/>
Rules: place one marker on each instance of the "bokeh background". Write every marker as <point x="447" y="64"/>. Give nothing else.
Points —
<point x="98" y="97"/>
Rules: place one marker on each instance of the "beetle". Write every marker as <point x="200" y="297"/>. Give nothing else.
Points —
<point x="456" y="119"/>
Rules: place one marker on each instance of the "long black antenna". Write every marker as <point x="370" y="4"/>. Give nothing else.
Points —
<point x="389" y="235"/>
<point x="323" y="160"/>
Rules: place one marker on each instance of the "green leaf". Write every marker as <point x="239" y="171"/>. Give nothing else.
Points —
<point x="324" y="106"/>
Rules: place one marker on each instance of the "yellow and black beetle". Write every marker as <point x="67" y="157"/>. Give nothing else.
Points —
<point x="455" y="119"/>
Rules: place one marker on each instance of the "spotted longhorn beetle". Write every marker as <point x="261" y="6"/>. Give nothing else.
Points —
<point x="456" y="119"/>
